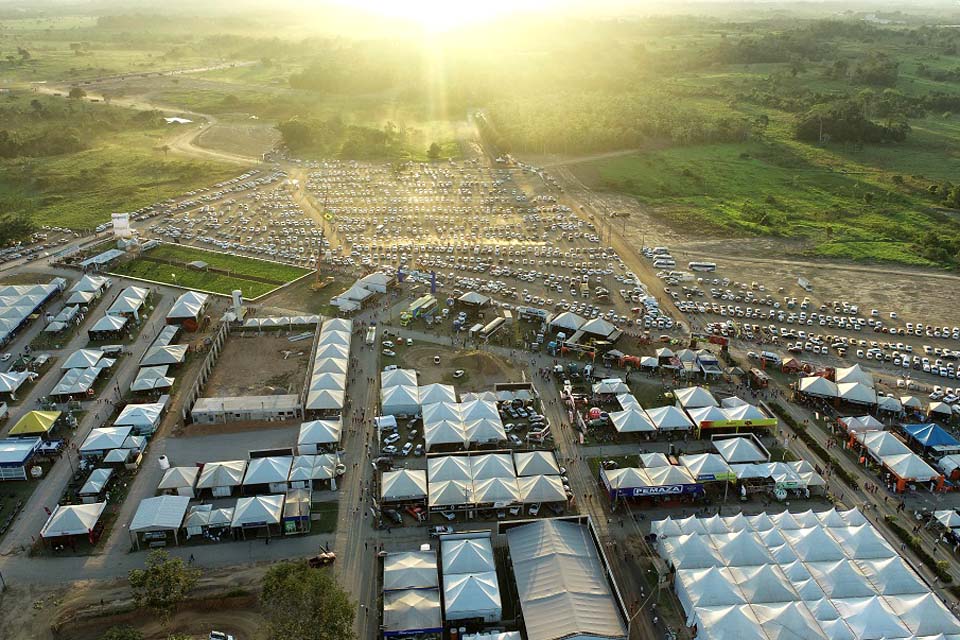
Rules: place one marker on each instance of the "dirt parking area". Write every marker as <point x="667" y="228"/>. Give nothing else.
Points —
<point x="481" y="370"/>
<point x="259" y="365"/>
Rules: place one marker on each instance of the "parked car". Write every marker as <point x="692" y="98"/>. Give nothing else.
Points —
<point x="534" y="509"/>
<point x="389" y="353"/>
<point x="417" y="512"/>
<point x="394" y="515"/>
<point x="390" y="439"/>
<point x="515" y="440"/>
<point x="439" y="530"/>
<point x="390" y="450"/>
<point x="449" y="515"/>
<point x="407" y="448"/>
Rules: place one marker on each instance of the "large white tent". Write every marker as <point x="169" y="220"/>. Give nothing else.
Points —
<point x="72" y="520"/>
<point x="739" y="450"/>
<point x="694" y="397"/>
<point x="402" y="485"/>
<point x="561" y="583"/>
<point x="472" y="595"/>
<point x="188" y="305"/>
<point x="857" y="393"/>
<point x="410" y="570"/>
<point x="411" y="612"/>
<point x="466" y="555"/>
<point x="220" y="477"/>
<point x="432" y="393"/>
<point x="631" y="421"/>
<point x="257" y="511"/>
<point x="533" y="463"/>
<point x="818" y="387"/>
<point x="400" y="400"/>
<point x="811" y="575"/>
<point x="669" y="418"/>
<point x="541" y="488"/>
<point x="317" y="433"/>
<point x="854" y="373"/>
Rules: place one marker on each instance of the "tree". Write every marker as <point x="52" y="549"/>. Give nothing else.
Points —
<point x="122" y="633"/>
<point x="36" y="105"/>
<point x="301" y="603"/>
<point x="163" y="584"/>
<point x="434" y="151"/>
<point x="77" y="93"/>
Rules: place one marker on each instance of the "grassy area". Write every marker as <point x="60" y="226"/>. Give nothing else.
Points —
<point x="324" y="517"/>
<point x="13" y="497"/>
<point x="238" y="266"/>
<point x="191" y="278"/>
<point x="121" y="172"/>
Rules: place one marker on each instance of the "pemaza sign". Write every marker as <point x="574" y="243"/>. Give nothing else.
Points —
<point x="666" y="490"/>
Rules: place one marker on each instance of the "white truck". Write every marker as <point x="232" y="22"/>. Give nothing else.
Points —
<point x="371" y="336"/>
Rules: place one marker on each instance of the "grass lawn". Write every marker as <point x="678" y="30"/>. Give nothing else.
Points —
<point x="324" y="517"/>
<point x="13" y="497"/>
<point x="241" y="269"/>
<point x="122" y="172"/>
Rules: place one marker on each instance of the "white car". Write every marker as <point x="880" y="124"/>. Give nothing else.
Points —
<point x="390" y="439"/>
<point x="5" y="357"/>
<point x="389" y="353"/>
<point x="458" y="373"/>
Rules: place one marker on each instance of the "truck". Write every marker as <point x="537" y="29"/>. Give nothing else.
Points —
<point x="371" y="335"/>
<point x="804" y="284"/>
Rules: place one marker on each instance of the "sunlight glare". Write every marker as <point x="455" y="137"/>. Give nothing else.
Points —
<point x="444" y="15"/>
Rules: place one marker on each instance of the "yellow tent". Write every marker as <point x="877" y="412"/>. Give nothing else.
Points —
<point x="35" y="422"/>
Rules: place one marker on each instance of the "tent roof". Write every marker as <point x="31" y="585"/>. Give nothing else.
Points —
<point x="668" y="475"/>
<point x="405" y="377"/>
<point x="492" y="465"/>
<point x="818" y="386"/>
<point x="103" y="438"/>
<point x="162" y="512"/>
<point x="451" y="492"/>
<point x="436" y="392"/>
<point x="109" y="323"/>
<point x="470" y="594"/>
<point x="669" y="417"/>
<point x="412" y="610"/>
<point x="320" y="432"/>
<point x="561" y="584"/>
<point x="34" y="422"/>
<point x="496" y="490"/>
<point x="702" y="415"/>
<point x="531" y="463"/>
<point x="924" y="614"/>
<point x="444" y="468"/>
<point x="739" y="450"/>
<point x="870" y="618"/>
<point x="168" y="354"/>
<point x="931" y="435"/>
<point x="469" y="555"/>
<point x="598" y="327"/>
<point x="179" y="477"/>
<point x="853" y="374"/>
<point x="82" y="358"/>
<point x="89" y="283"/>
<point x="403" y="484"/>
<point x="857" y="392"/>
<point x="611" y="386"/>
<point x="693" y="397"/>
<point x="225" y="473"/>
<point x="911" y="402"/>
<point x="129" y="300"/>
<point x="140" y="415"/>
<point x="72" y="520"/>
<point x="410" y="570"/>
<point x="910" y="466"/>
<point x="541" y="488"/>
<point x="188" y="305"/>
<point x="150" y="378"/>
<point x="568" y="320"/>
<point x="882" y="443"/>
<point x="706" y="464"/>
<point x="271" y="469"/>
<point x="733" y="621"/>
<point x="258" y="509"/>
<point x="631" y="421"/>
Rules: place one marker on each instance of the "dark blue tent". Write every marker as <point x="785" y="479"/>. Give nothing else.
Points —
<point x="932" y="436"/>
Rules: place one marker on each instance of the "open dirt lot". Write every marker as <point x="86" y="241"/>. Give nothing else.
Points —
<point x="241" y="139"/>
<point x="258" y="365"/>
<point x="481" y="370"/>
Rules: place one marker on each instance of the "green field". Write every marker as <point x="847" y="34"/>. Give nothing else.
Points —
<point x="240" y="268"/>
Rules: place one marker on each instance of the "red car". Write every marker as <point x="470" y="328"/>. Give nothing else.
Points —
<point x="417" y="512"/>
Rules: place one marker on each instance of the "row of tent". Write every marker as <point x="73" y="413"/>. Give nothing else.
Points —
<point x="272" y="322"/>
<point x="696" y="408"/>
<point x="154" y="372"/>
<point x="462" y="423"/>
<point x="863" y="394"/>
<point x="889" y="451"/>
<point x="326" y="390"/>
<point x="810" y="575"/>
<point x="19" y="302"/>
<point x="279" y="472"/>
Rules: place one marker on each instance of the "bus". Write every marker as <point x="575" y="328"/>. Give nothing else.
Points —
<point x="423" y="305"/>
<point x="491" y="328"/>
<point x="702" y="266"/>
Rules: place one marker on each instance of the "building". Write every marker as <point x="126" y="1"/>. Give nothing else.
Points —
<point x="16" y="455"/>
<point x="246" y="408"/>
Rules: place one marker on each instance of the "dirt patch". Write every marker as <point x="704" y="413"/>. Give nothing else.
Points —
<point x="241" y="139"/>
<point x="259" y="365"/>
<point x="481" y="369"/>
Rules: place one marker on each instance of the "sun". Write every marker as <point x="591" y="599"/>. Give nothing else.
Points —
<point x="444" y="15"/>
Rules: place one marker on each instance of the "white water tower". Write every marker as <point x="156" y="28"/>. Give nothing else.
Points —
<point x="238" y="302"/>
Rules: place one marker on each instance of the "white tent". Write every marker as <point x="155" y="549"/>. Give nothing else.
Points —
<point x="404" y="484"/>
<point x="412" y="611"/>
<point x="467" y="555"/>
<point x="445" y="468"/>
<point x="496" y="491"/>
<point x="151" y="379"/>
<point x="561" y="584"/>
<point x="701" y="416"/>
<point x="82" y="358"/>
<point x="72" y="520"/>
<point x="892" y="576"/>
<point x="129" y="301"/>
<point x="166" y="354"/>
<point x="445" y="432"/>
<point x="889" y="403"/>
<point x="924" y="614"/>
<point x="450" y="493"/>
<point x="853" y="374"/>
<point x="729" y="622"/>
<point x="472" y="595"/>
<point x="532" y="463"/>
<point x="400" y="400"/>
<point x="598" y="327"/>
<point x="707" y="467"/>
<point x="863" y="542"/>
<point x="90" y="284"/>
<point x="788" y="621"/>
<point x="188" y="305"/>
<point x="163" y="513"/>
<point x="485" y="430"/>
<point x="398" y="377"/>
<point x="325" y="399"/>
<point x="708" y="587"/>
<point x="181" y="480"/>
<point x="857" y="393"/>
<point x="939" y="408"/>
<point x="763" y="584"/>
<point x="870" y="618"/>
<point x="949" y="518"/>
<point x="881" y="444"/>
<point x="318" y="432"/>
<point x="102" y="439"/>
<point x="818" y="386"/>
<point x="410" y="570"/>
<point x="610" y="386"/>
<point x="691" y="551"/>
<point x="108" y="323"/>
<point x="432" y="393"/>
<point x="694" y="397"/>
<point x="669" y="418"/>
<point x="221" y="476"/>
<point x="739" y="450"/>
<point x="910" y="466"/>
<point x="492" y="465"/>
<point x="631" y="421"/>
<point x="144" y="417"/>
<point x="271" y="470"/>
<point x="541" y="488"/>
<point x="257" y="511"/>
<point x="567" y="321"/>
<point x="653" y="459"/>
